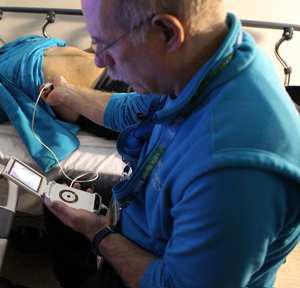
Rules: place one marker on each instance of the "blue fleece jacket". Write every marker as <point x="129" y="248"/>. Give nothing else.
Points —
<point x="221" y="208"/>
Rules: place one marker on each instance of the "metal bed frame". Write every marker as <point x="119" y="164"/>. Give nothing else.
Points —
<point x="78" y="12"/>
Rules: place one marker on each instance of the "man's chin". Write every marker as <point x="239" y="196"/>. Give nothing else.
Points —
<point x="139" y="89"/>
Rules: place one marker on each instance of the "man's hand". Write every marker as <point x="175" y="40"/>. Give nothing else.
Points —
<point x="61" y="97"/>
<point x="82" y="221"/>
<point x="70" y="101"/>
<point x="58" y="95"/>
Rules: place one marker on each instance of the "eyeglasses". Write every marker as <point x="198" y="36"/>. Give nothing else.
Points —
<point x="106" y="47"/>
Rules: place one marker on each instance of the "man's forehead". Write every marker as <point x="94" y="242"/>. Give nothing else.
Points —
<point x="99" y="13"/>
<point x="96" y="7"/>
<point x="91" y="8"/>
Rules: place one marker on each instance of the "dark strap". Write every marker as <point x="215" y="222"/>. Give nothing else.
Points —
<point x="106" y="83"/>
<point x="89" y="126"/>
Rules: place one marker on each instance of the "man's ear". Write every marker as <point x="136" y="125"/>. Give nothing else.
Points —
<point x="172" y="30"/>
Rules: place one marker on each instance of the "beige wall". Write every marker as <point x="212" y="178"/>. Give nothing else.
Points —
<point x="69" y="28"/>
<point x="284" y="11"/>
<point x="72" y="29"/>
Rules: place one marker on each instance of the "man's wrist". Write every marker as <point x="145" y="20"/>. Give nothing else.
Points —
<point x="99" y="237"/>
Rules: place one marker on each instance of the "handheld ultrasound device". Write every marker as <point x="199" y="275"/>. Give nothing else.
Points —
<point x="36" y="183"/>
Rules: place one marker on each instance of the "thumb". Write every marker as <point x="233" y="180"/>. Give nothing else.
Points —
<point x="66" y="214"/>
<point x="55" y="96"/>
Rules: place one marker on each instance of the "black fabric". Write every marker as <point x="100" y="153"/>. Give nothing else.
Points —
<point x="72" y="259"/>
<point x="5" y="283"/>
<point x="106" y="277"/>
<point x="100" y="131"/>
<point x="28" y="239"/>
<point x="294" y="92"/>
<point x="107" y="84"/>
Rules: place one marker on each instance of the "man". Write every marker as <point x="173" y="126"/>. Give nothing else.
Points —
<point x="213" y="198"/>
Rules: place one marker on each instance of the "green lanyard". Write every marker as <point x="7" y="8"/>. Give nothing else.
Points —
<point x="128" y="189"/>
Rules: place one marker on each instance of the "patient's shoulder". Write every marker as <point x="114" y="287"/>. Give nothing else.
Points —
<point x="67" y="51"/>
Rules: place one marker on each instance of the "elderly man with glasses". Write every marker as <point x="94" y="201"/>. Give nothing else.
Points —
<point x="211" y="140"/>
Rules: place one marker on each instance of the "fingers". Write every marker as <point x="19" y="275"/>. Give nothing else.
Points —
<point x="78" y="186"/>
<point x="52" y="93"/>
<point x="90" y="190"/>
<point x="46" y="89"/>
<point x="82" y="221"/>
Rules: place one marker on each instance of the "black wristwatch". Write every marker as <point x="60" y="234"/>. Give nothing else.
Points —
<point x="100" y="235"/>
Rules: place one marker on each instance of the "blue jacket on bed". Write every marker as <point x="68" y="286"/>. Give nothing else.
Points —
<point x="222" y="206"/>
<point x="21" y="73"/>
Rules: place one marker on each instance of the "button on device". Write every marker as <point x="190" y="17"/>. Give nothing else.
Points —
<point x="68" y="196"/>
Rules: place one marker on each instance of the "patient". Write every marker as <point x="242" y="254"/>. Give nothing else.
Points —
<point x="75" y="65"/>
<point x="27" y="63"/>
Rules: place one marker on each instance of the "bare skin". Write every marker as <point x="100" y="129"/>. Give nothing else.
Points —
<point x="77" y="67"/>
<point x="69" y="101"/>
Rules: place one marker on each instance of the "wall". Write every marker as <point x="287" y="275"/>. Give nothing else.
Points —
<point x="69" y="28"/>
<point x="283" y="11"/>
<point x="72" y="28"/>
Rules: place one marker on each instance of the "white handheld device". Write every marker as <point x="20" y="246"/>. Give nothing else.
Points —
<point x="33" y="181"/>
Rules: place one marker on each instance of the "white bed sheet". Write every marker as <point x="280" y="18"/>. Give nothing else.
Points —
<point x="94" y="154"/>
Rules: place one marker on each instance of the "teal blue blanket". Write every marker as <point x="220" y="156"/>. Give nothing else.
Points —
<point x="21" y="73"/>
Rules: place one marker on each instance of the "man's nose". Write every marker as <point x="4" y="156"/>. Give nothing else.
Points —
<point x="103" y="60"/>
<point x="99" y="61"/>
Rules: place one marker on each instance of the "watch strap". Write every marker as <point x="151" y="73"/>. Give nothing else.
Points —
<point x="99" y="236"/>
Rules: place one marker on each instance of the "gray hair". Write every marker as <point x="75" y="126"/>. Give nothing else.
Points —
<point x="132" y="13"/>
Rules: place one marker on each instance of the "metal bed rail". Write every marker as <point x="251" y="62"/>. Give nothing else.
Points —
<point x="78" y="12"/>
<point x="35" y="10"/>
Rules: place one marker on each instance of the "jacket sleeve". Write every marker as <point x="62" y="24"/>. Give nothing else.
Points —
<point x="123" y="108"/>
<point x="223" y="226"/>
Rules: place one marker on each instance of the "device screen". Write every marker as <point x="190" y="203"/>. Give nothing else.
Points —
<point x="26" y="176"/>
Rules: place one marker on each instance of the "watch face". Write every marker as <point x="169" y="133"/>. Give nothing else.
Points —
<point x="68" y="196"/>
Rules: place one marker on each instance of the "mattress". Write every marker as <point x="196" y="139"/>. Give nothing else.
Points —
<point x="95" y="154"/>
